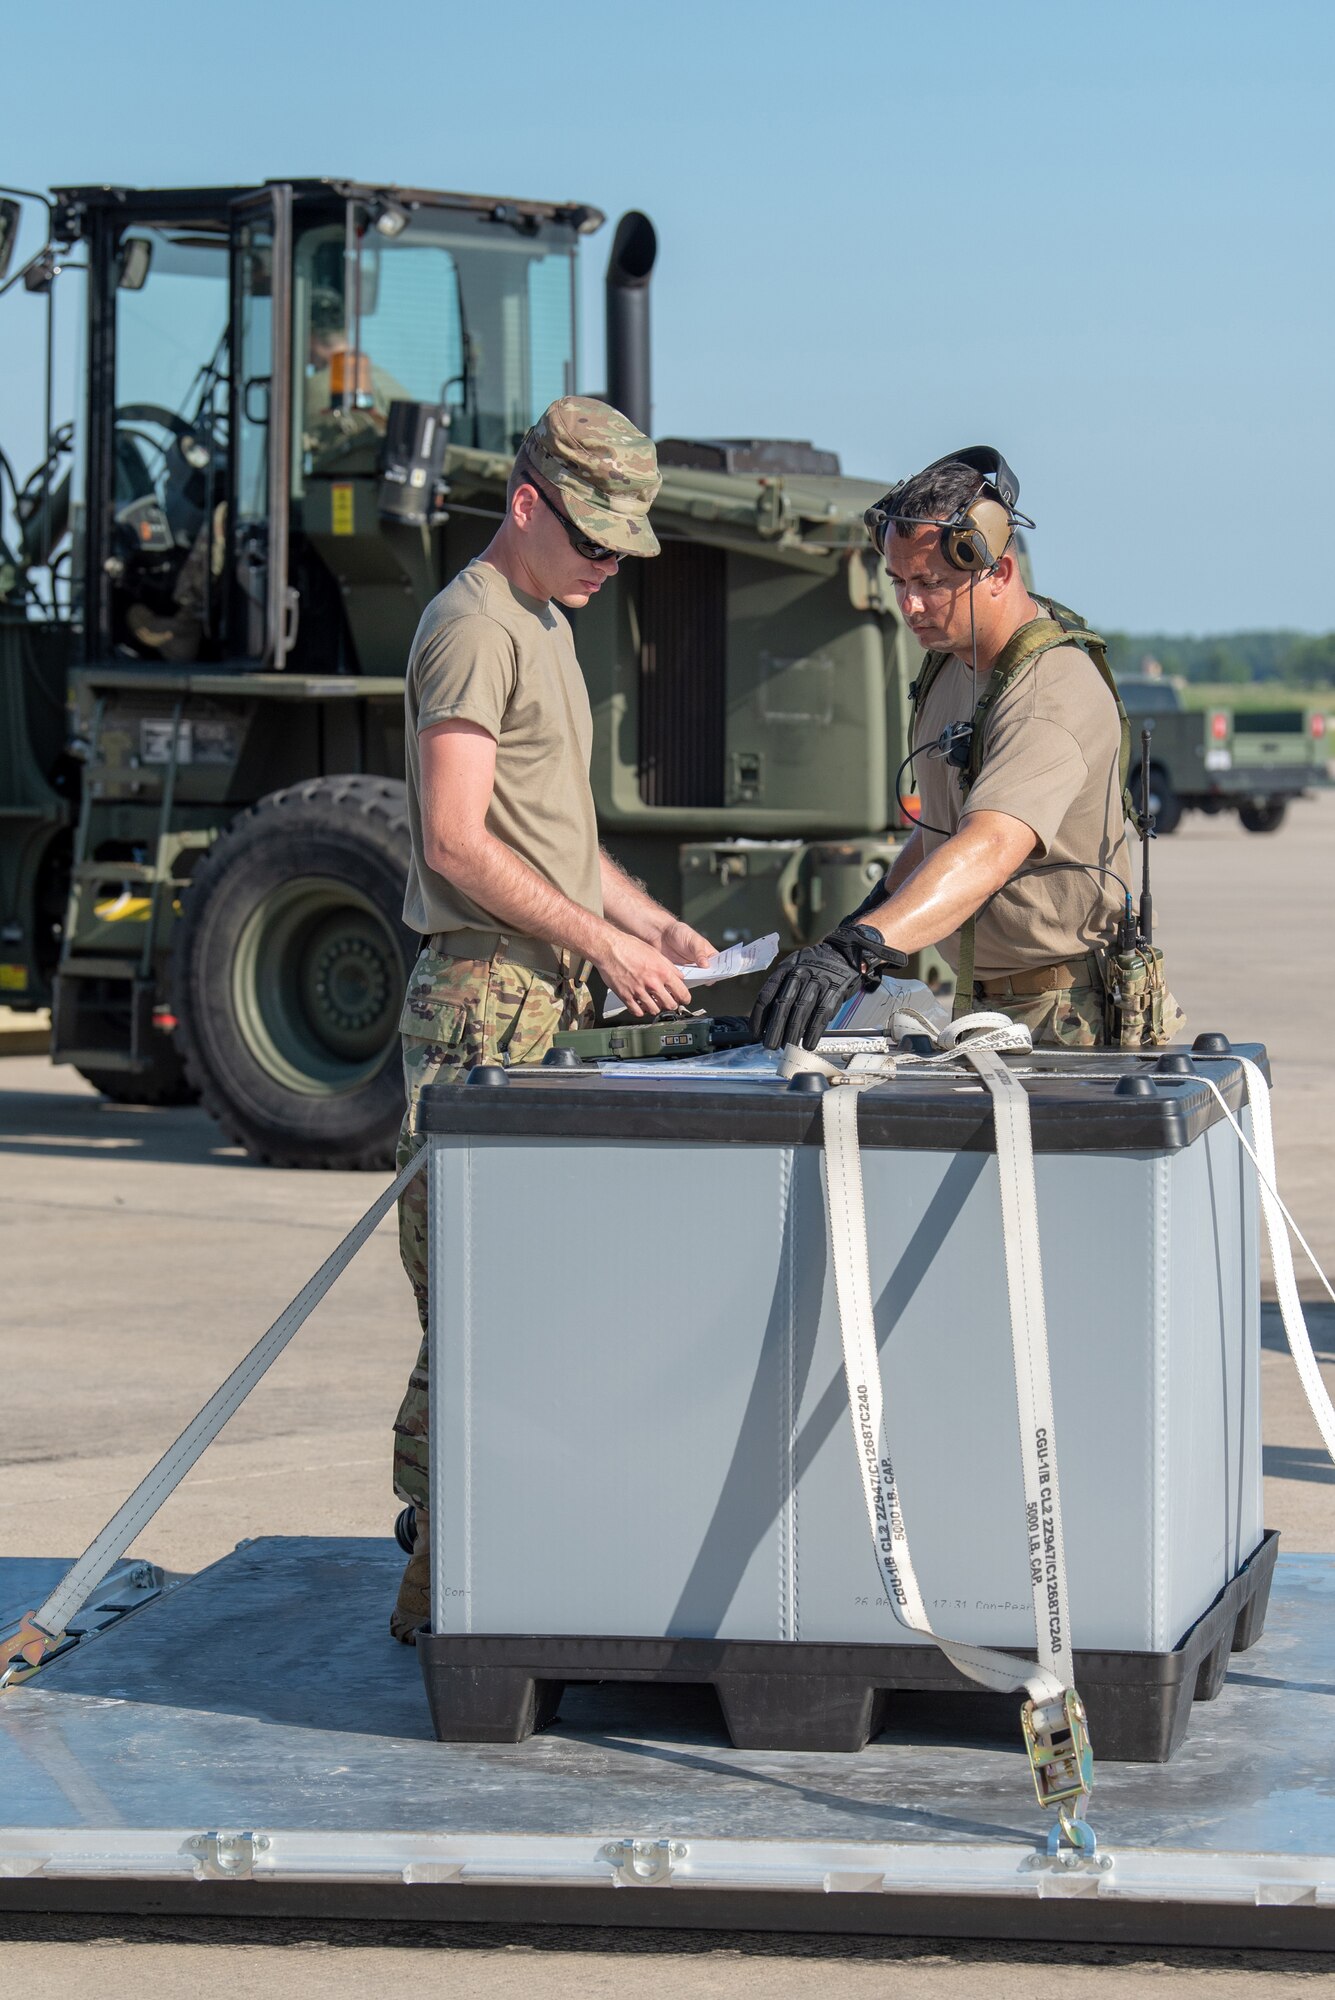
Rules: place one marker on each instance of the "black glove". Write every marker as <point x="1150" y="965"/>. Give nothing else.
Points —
<point x="802" y="996"/>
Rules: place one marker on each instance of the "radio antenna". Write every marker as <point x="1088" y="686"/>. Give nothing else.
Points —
<point x="1146" y="836"/>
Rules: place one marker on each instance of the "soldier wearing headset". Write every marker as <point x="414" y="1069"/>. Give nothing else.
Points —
<point x="1018" y="869"/>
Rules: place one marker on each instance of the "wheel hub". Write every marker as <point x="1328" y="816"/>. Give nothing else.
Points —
<point x="318" y="981"/>
<point x="350" y="984"/>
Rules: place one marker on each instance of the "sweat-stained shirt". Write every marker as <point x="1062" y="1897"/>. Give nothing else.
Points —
<point x="487" y="653"/>
<point x="1050" y="759"/>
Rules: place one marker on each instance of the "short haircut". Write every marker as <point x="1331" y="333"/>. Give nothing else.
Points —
<point x="938" y="494"/>
<point x="521" y="474"/>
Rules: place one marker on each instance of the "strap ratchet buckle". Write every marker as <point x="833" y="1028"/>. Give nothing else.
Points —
<point x="1056" y="1737"/>
<point x="25" y="1652"/>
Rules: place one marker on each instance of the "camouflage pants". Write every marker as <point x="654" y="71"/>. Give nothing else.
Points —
<point x="1070" y="1017"/>
<point x="459" y="1012"/>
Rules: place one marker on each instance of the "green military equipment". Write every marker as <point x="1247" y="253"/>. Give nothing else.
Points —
<point x="640" y="1041"/>
<point x="1134" y="993"/>
<point x="1252" y="761"/>
<point x="299" y="410"/>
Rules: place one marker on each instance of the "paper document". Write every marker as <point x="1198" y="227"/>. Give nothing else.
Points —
<point x="734" y="963"/>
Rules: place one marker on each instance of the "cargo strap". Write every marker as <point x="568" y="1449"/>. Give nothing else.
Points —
<point x="1053" y="1719"/>
<point x="1276" y="1215"/>
<point x="47" y="1624"/>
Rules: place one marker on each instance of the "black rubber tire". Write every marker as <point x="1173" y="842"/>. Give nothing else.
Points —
<point x="164" y="1083"/>
<point x="1265" y="818"/>
<point x="321" y="839"/>
<point x="1164" y="801"/>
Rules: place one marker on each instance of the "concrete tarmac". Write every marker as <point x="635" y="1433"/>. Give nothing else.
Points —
<point x="142" y="1256"/>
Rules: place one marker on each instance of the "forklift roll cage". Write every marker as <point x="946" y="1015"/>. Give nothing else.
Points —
<point x="260" y="604"/>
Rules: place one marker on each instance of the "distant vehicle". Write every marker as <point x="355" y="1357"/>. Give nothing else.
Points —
<point x="1252" y="761"/>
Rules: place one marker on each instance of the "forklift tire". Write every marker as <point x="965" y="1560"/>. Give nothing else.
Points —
<point x="1263" y="818"/>
<point x="165" y="1082"/>
<point x="289" y="972"/>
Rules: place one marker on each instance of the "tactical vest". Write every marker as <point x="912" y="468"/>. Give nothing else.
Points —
<point x="1061" y="627"/>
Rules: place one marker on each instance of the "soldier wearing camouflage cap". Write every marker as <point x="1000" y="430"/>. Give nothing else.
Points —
<point x="507" y="886"/>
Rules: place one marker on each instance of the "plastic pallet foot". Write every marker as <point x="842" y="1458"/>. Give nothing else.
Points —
<point x="798" y="1711"/>
<point x="487" y="1704"/>
<point x="1211" y="1673"/>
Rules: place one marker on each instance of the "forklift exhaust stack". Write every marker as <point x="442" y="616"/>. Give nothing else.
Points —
<point x="629" y="269"/>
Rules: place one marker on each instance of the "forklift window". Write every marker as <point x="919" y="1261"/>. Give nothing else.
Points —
<point x="519" y="321"/>
<point x="550" y="320"/>
<point x="170" y="329"/>
<point x="472" y="314"/>
<point x="171" y="442"/>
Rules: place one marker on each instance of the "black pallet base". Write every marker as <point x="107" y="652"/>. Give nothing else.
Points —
<point x="499" y="1688"/>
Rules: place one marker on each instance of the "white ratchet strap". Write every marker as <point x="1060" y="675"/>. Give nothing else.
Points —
<point x="51" y="1619"/>
<point x="1275" y="1214"/>
<point x="975" y="1040"/>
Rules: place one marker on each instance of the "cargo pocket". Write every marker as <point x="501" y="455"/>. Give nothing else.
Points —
<point x="1077" y="1018"/>
<point x="430" y="1018"/>
<point x="439" y="1022"/>
<point x="442" y="994"/>
<point x="526" y="1035"/>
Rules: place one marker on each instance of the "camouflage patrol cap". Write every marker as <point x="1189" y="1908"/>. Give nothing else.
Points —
<point x="605" y="471"/>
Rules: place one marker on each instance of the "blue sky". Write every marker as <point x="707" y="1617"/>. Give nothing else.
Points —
<point x="1098" y="237"/>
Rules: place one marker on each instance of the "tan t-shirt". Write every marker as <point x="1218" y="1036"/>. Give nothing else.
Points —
<point x="486" y="653"/>
<point x="1050" y="758"/>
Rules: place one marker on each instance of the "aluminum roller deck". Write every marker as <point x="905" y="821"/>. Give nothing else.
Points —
<point x="252" y="1740"/>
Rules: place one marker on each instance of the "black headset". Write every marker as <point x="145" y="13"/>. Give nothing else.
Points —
<point x="977" y="535"/>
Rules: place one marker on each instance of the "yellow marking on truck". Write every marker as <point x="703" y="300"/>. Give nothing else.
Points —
<point x="13" y="978"/>
<point x="124" y="909"/>
<point x="341" y="504"/>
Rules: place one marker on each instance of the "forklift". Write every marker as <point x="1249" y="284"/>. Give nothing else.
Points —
<point x="298" y="408"/>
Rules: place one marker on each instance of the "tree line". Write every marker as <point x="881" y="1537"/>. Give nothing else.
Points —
<point x="1295" y="659"/>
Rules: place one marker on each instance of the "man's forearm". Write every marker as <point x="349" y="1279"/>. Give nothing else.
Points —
<point x="945" y="889"/>
<point x="630" y="907"/>
<point x="493" y="875"/>
<point x="908" y="858"/>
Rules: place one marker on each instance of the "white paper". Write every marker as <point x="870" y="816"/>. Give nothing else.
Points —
<point x="734" y="963"/>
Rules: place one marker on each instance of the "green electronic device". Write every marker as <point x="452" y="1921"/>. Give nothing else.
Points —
<point x="640" y="1041"/>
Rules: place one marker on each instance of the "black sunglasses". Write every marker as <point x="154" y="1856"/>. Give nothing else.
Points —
<point x="591" y="551"/>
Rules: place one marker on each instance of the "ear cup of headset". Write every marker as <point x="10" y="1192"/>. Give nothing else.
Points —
<point x="979" y="539"/>
<point x="965" y="548"/>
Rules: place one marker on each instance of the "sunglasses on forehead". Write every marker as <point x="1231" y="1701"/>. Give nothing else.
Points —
<point x="581" y="544"/>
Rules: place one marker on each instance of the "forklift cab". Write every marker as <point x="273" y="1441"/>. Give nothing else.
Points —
<point x="233" y="577"/>
<point x="273" y="375"/>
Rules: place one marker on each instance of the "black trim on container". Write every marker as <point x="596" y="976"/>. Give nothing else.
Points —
<point x="1070" y="1112"/>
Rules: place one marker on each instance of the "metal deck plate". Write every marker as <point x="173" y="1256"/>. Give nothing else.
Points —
<point x="254" y="1738"/>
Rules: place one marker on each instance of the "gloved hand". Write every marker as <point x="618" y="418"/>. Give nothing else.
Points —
<point x="802" y="996"/>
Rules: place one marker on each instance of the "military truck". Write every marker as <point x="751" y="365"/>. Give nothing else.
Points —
<point x="1252" y="761"/>
<point x="297" y="407"/>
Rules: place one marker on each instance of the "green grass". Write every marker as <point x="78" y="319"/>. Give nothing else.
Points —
<point x="1254" y="694"/>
